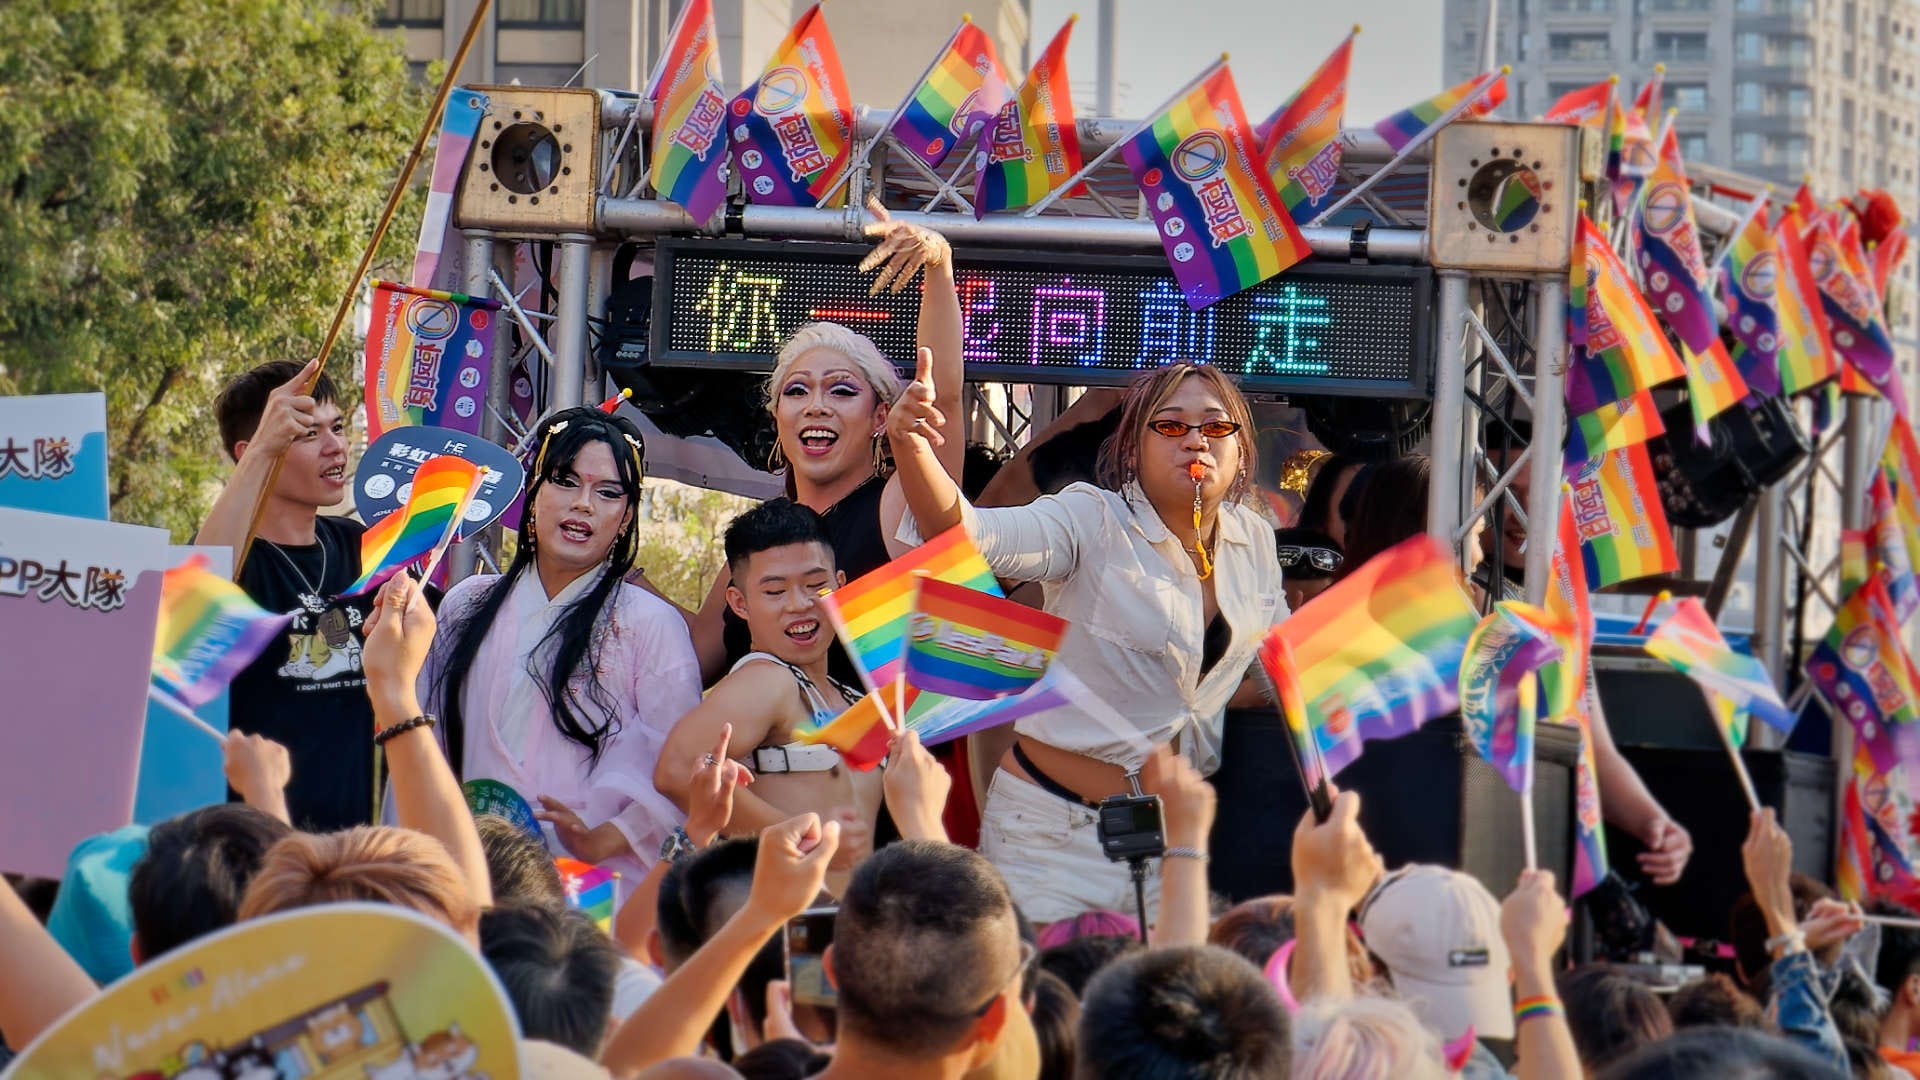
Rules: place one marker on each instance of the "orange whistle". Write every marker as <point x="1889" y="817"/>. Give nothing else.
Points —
<point x="1197" y="471"/>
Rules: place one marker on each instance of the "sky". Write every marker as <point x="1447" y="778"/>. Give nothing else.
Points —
<point x="1275" y="45"/>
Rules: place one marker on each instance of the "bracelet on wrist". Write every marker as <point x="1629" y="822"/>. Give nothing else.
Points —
<point x="381" y="738"/>
<point x="1791" y="942"/>
<point x="1529" y="1008"/>
<point x="1185" y="853"/>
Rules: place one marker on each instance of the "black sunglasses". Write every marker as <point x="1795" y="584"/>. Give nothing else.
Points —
<point x="1212" y="429"/>
<point x="1325" y="560"/>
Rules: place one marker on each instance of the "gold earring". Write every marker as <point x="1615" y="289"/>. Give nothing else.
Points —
<point x="776" y="460"/>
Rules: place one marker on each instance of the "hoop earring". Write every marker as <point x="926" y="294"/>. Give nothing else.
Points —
<point x="776" y="460"/>
<point x="879" y="454"/>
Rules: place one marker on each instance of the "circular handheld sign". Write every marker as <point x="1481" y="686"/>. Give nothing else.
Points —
<point x="496" y="798"/>
<point x="385" y="475"/>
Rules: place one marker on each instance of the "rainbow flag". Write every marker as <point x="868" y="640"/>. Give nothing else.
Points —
<point x="1853" y="865"/>
<point x="1475" y="98"/>
<point x="1806" y="205"/>
<point x="1032" y="146"/>
<point x="1881" y="549"/>
<point x="1301" y="140"/>
<point x="1617" y="512"/>
<point x="1613" y="427"/>
<point x="1056" y="689"/>
<point x="1749" y="285"/>
<point x="1223" y="226"/>
<point x="1374" y="657"/>
<point x="1862" y="670"/>
<point x="793" y="126"/>
<point x="1616" y="140"/>
<point x="1625" y="351"/>
<point x="860" y="734"/>
<point x="1714" y="385"/>
<point x="690" y="116"/>
<point x="963" y="90"/>
<point x="209" y="631"/>
<point x="1585" y="106"/>
<point x="589" y="889"/>
<point x="428" y="356"/>
<point x="872" y="613"/>
<point x="1871" y="862"/>
<point x="1637" y="155"/>
<point x="1563" y="684"/>
<point x="1852" y="308"/>
<point x="1900" y="467"/>
<point x="1690" y="642"/>
<point x="977" y="646"/>
<point x="1498" y="680"/>
<point x="422" y="529"/>
<point x="458" y="125"/>
<point x="1806" y="352"/>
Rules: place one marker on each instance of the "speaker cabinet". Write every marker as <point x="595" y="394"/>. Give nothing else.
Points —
<point x="533" y="169"/>
<point x="1503" y="197"/>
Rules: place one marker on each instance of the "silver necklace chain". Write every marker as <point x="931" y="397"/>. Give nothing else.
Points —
<point x="295" y="567"/>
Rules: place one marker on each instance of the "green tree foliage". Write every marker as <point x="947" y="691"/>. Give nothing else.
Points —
<point x="185" y="186"/>
<point x="681" y="534"/>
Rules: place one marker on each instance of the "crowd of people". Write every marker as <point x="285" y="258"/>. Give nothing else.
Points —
<point x="663" y="743"/>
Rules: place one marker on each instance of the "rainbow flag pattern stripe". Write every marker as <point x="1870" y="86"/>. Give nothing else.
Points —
<point x="1862" y="670"/>
<point x="1871" y="863"/>
<point x="1693" y="645"/>
<point x="1617" y="512"/>
<point x="1374" y="657"/>
<point x="1499" y="681"/>
<point x="1750" y="286"/>
<point x="1032" y="146"/>
<point x="1625" y="351"/>
<point x="1488" y="89"/>
<point x="1614" y="427"/>
<point x="1900" y="468"/>
<point x="1852" y="308"/>
<point x="1806" y="342"/>
<point x="209" y="631"/>
<point x="793" y="126"/>
<point x="963" y="90"/>
<point x="1301" y="141"/>
<point x="1714" y="385"/>
<point x="427" y="354"/>
<point x="422" y="529"/>
<point x="1882" y="549"/>
<point x="1222" y="224"/>
<point x="977" y="646"/>
<point x="1563" y="684"/>
<point x="1616" y="140"/>
<point x="590" y="889"/>
<point x="860" y="734"/>
<point x="690" y="107"/>
<point x="871" y="614"/>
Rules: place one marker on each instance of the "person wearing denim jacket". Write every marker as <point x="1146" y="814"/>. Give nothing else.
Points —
<point x="1799" y="997"/>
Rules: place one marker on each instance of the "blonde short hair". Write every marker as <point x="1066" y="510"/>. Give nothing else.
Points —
<point x="371" y="863"/>
<point x="1368" y="1038"/>
<point x="881" y="376"/>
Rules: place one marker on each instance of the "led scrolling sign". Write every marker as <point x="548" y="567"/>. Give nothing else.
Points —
<point x="1082" y="320"/>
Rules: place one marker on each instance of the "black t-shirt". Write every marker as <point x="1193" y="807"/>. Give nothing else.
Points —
<point x="306" y="690"/>
<point x="853" y="529"/>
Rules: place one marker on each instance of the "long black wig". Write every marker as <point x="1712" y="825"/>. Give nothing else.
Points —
<point x="563" y="435"/>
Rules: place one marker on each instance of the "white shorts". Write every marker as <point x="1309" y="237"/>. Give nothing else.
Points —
<point x="1048" y="850"/>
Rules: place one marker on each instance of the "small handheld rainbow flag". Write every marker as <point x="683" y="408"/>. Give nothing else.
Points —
<point x="1056" y="689"/>
<point x="1301" y="142"/>
<point x="1032" y="146"/>
<point x="1476" y="97"/>
<point x="871" y="613"/>
<point x="210" y="630"/>
<point x="442" y="490"/>
<point x="961" y="93"/>
<point x="1222" y="224"/>
<point x="1623" y="528"/>
<point x="1690" y="642"/>
<point x="1750" y="286"/>
<point x="590" y="889"/>
<point x="1806" y="352"/>
<point x="794" y="124"/>
<point x="1862" y="670"/>
<point x="861" y="734"/>
<point x="690" y="115"/>
<point x="1625" y="350"/>
<point x="973" y="645"/>
<point x="1503" y="659"/>
<point x="1374" y="657"/>
<point x="1563" y="684"/>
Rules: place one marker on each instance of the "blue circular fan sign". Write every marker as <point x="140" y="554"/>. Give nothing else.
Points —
<point x="385" y="477"/>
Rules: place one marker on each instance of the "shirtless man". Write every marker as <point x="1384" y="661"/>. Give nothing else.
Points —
<point x="780" y="561"/>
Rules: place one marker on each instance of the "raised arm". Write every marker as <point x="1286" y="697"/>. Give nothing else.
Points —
<point x="1333" y="869"/>
<point x="1188" y="802"/>
<point x="1533" y="921"/>
<point x="289" y="415"/>
<point x="735" y="713"/>
<point x="39" y="982"/>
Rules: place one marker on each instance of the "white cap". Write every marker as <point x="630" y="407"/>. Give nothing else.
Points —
<point x="1438" y="933"/>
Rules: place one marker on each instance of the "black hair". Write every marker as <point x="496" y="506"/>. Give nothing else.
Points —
<point x="1716" y="1001"/>
<point x="1071" y="456"/>
<point x="558" y="970"/>
<point x="1077" y="961"/>
<point x="775" y="523"/>
<point x="1610" y="1014"/>
<point x="195" y="872"/>
<point x="1390" y="508"/>
<point x="781" y="1059"/>
<point x="574" y="634"/>
<point x="238" y="407"/>
<point x="1197" y="1012"/>
<point x="981" y="464"/>
<point x="913" y="946"/>
<point x="1317" y="509"/>
<point x="1853" y="1007"/>
<point x="1722" y="1054"/>
<point x="519" y="866"/>
<point x="1899" y="956"/>
<point x="1256" y="929"/>
<point x="698" y="894"/>
<point x="1056" y="1026"/>
<point x="1747" y="930"/>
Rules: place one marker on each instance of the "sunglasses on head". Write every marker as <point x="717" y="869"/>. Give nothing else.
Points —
<point x="1323" y="559"/>
<point x="1212" y="429"/>
<point x="1028" y="954"/>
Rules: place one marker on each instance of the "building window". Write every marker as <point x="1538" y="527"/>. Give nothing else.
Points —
<point x="1578" y="47"/>
<point x="1680" y="47"/>
<point x="1794" y="101"/>
<point x="413" y="13"/>
<point x="1693" y="147"/>
<point x="543" y="13"/>
<point x="1749" y="46"/>
<point x="1746" y="146"/>
<point x="1790" y="151"/>
<point x="1749" y="97"/>
<point x="535" y="74"/>
<point x="1688" y="97"/>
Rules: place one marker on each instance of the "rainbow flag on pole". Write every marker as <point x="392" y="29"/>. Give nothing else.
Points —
<point x="1862" y="670"/>
<point x="1881" y="549"/>
<point x="872" y="613"/>
<point x="690" y="116"/>
<point x="428" y="356"/>
<point x="1032" y="146"/>
<point x="1900" y="468"/>
<point x="1750" y="286"/>
<point x="1616" y="510"/>
<point x="1563" y="684"/>
<point x="1223" y="226"/>
<point x="977" y="646"/>
<point x="1374" y="657"/>
<point x="793" y="125"/>
<point x="1503" y="659"/>
<point x="1613" y="427"/>
<point x="962" y="91"/>
<point x="861" y="734"/>
<point x="1301" y="140"/>
<point x="1852" y="308"/>
<point x="210" y="630"/>
<point x="422" y="529"/>
<point x="1690" y="642"/>
<point x="1625" y="351"/>
<point x="590" y="889"/>
<point x="1475" y="98"/>
<point x="1806" y="352"/>
<point x="1586" y="106"/>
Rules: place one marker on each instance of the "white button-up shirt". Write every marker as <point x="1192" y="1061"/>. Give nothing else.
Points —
<point x="1108" y="564"/>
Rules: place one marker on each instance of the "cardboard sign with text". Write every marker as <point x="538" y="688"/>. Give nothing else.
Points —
<point x="53" y="454"/>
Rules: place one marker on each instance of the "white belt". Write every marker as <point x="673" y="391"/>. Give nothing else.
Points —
<point x="793" y="758"/>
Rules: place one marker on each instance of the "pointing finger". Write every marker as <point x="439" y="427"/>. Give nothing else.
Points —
<point x="720" y="748"/>
<point x="923" y="367"/>
<point x="298" y="384"/>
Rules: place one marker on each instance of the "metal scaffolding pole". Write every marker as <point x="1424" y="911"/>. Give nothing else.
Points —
<point x="575" y="272"/>
<point x="1449" y="405"/>
<point x="476" y="261"/>
<point x="1549" y="431"/>
<point x="1769" y="600"/>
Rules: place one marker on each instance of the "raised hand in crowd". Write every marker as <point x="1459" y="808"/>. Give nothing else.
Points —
<point x="258" y="768"/>
<point x="856" y="841"/>
<point x="1533" y="922"/>
<point x="904" y="250"/>
<point x="789" y="869"/>
<point x="916" y="788"/>
<point x="1334" y="867"/>
<point x="710" y="792"/>
<point x="1830" y="922"/>
<point x="1187" y="804"/>
<point x="290" y="414"/>
<point x="1767" y="856"/>
<point x="1669" y="846"/>
<point x="1799" y="1000"/>
<point x="593" y="845"/>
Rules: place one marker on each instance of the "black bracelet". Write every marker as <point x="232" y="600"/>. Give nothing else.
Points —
<point x="404" y="726"/>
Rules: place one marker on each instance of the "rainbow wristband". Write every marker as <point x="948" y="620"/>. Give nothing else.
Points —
<point x="1528" y="1008"/>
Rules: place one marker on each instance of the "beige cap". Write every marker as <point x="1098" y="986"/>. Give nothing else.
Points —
<point x="1438" y="933"/>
